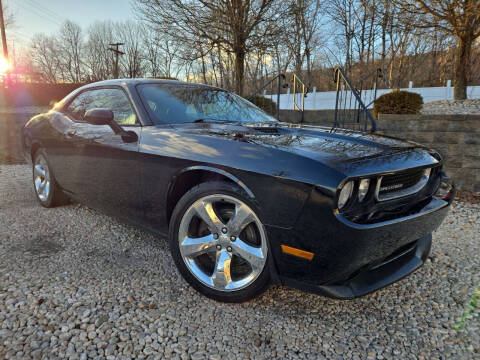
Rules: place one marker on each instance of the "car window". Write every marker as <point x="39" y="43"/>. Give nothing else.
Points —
<point x="183" y="103"/>
<point x="113" y="99"/>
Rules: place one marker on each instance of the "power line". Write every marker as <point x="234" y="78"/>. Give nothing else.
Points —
<point x="18" y="34"/>
<point x="43" y="10"/>
<point x="29" y="7"/>
<point x="46" y="9"/>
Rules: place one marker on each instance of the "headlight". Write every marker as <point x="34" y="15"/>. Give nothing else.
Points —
<point x="363" y="189"/>
<point x="345" y="194"/>
<point x="446" y="189"/>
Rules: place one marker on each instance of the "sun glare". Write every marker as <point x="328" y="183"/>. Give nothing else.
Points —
<point x="4" y="65"/>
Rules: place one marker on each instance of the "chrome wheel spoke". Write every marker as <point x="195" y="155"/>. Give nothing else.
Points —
<point x="205" y="211"/>
<point x="193" y="247"/>
<point x="253" y="255"/>
<point x="47" y="188"/>
<point x="39" y="171"/>
<point x="242" y="217"/>
<point x="221" y="276"/>
<point x="41" y="188"/>
<point x="41" y="178"/>
<point x="38" y="183"/>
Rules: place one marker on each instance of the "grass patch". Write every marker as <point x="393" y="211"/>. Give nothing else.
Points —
<point x="470" y="308"/>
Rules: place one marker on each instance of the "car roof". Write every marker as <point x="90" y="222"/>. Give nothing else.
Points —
<point x="131" y="82"/>
<point x="136" y="81"/>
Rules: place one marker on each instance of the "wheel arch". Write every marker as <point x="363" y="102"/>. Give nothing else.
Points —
<point x="34" y="148"/>
<point x="192" y="176"/>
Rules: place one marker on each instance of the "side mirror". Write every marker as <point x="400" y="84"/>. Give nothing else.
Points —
<point x="105" y="117"/>
<point x="99" y="116"/>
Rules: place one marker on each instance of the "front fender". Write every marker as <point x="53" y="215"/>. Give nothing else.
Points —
<point x="215" y="170"/>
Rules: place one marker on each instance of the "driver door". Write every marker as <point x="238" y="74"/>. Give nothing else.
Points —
<point x="104" y="169"/>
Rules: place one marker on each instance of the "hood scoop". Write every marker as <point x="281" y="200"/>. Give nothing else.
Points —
<point x="267" y="130"/>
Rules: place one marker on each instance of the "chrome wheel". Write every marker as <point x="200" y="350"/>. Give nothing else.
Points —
<point x="41" y="178"/>
<point x="222" y="242"/>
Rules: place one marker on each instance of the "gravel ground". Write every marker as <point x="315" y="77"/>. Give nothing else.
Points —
<point x="78" y="284"/>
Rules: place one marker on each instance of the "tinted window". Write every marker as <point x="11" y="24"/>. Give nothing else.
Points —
<point x="184" y="103"/>
<point x="113" y="99"/>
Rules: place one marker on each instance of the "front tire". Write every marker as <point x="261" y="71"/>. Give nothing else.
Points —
<point x="46" y="189"/>
<point x="219" y="243"/>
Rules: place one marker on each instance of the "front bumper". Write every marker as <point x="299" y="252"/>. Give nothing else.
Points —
<point x="376" y="276"/>
<point x="352" y="259"/>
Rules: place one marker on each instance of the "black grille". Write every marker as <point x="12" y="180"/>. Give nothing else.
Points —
<point x="401" y="180"/>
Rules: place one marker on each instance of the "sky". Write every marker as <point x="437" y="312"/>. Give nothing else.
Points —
<point x="34" y="16"/>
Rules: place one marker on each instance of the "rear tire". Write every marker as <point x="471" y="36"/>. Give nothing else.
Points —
<point x="47" y="191"/>
<point x="219" y="244"/>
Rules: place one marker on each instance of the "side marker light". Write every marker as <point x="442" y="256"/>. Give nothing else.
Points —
<point x="297" y="252"/>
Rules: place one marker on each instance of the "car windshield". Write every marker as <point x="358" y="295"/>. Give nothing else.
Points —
<point x="169" y="103"/>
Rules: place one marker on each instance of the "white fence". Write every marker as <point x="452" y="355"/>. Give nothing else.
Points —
<point x="326" y="100"/>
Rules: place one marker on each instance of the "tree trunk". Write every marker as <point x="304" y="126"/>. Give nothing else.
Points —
<point x="204" y="71"/>
<point x="309" y="67"/>
<point x="462" y="62"/>
<point x="239" y="71"/>
<point x="220" y="68"/>
<point x="384" y="45"/>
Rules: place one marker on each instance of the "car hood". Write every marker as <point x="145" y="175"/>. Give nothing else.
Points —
<point x="318" y="143"/>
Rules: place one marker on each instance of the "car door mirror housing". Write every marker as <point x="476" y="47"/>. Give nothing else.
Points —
<point x="99" y="116"/>
<point x="106" y="117"/>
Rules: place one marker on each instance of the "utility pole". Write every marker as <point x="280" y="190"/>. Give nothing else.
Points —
<point x="117" y="53"/>
<point x="4" y="35"/>
<point x="4" y="39"/>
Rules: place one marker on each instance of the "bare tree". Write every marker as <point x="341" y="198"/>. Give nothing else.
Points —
<point x="152" y="52"/>
<point x="241" y="44"/>
<point x="306" y="38"/>
<point x="171" y="64"/>
<point x="130" y="34"/>
<point x="45" y="57"/>
<point x="236" y="26"/>
<point x="71" y="47"/>
<point x="459" y="18"/>
<point x="342" y="12"/>
<point x="8" y="17"/>
<point x="97" y="58"/>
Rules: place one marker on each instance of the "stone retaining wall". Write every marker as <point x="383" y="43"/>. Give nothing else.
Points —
<point x="456" y="137"/>
<point x="316" y="117"/>
<point x="11" y="124"/>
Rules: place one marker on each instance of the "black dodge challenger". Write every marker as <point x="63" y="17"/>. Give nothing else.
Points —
<point x="245" y="200"/>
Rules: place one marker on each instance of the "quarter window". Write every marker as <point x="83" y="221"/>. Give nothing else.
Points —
<point x="113" y="99"/>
